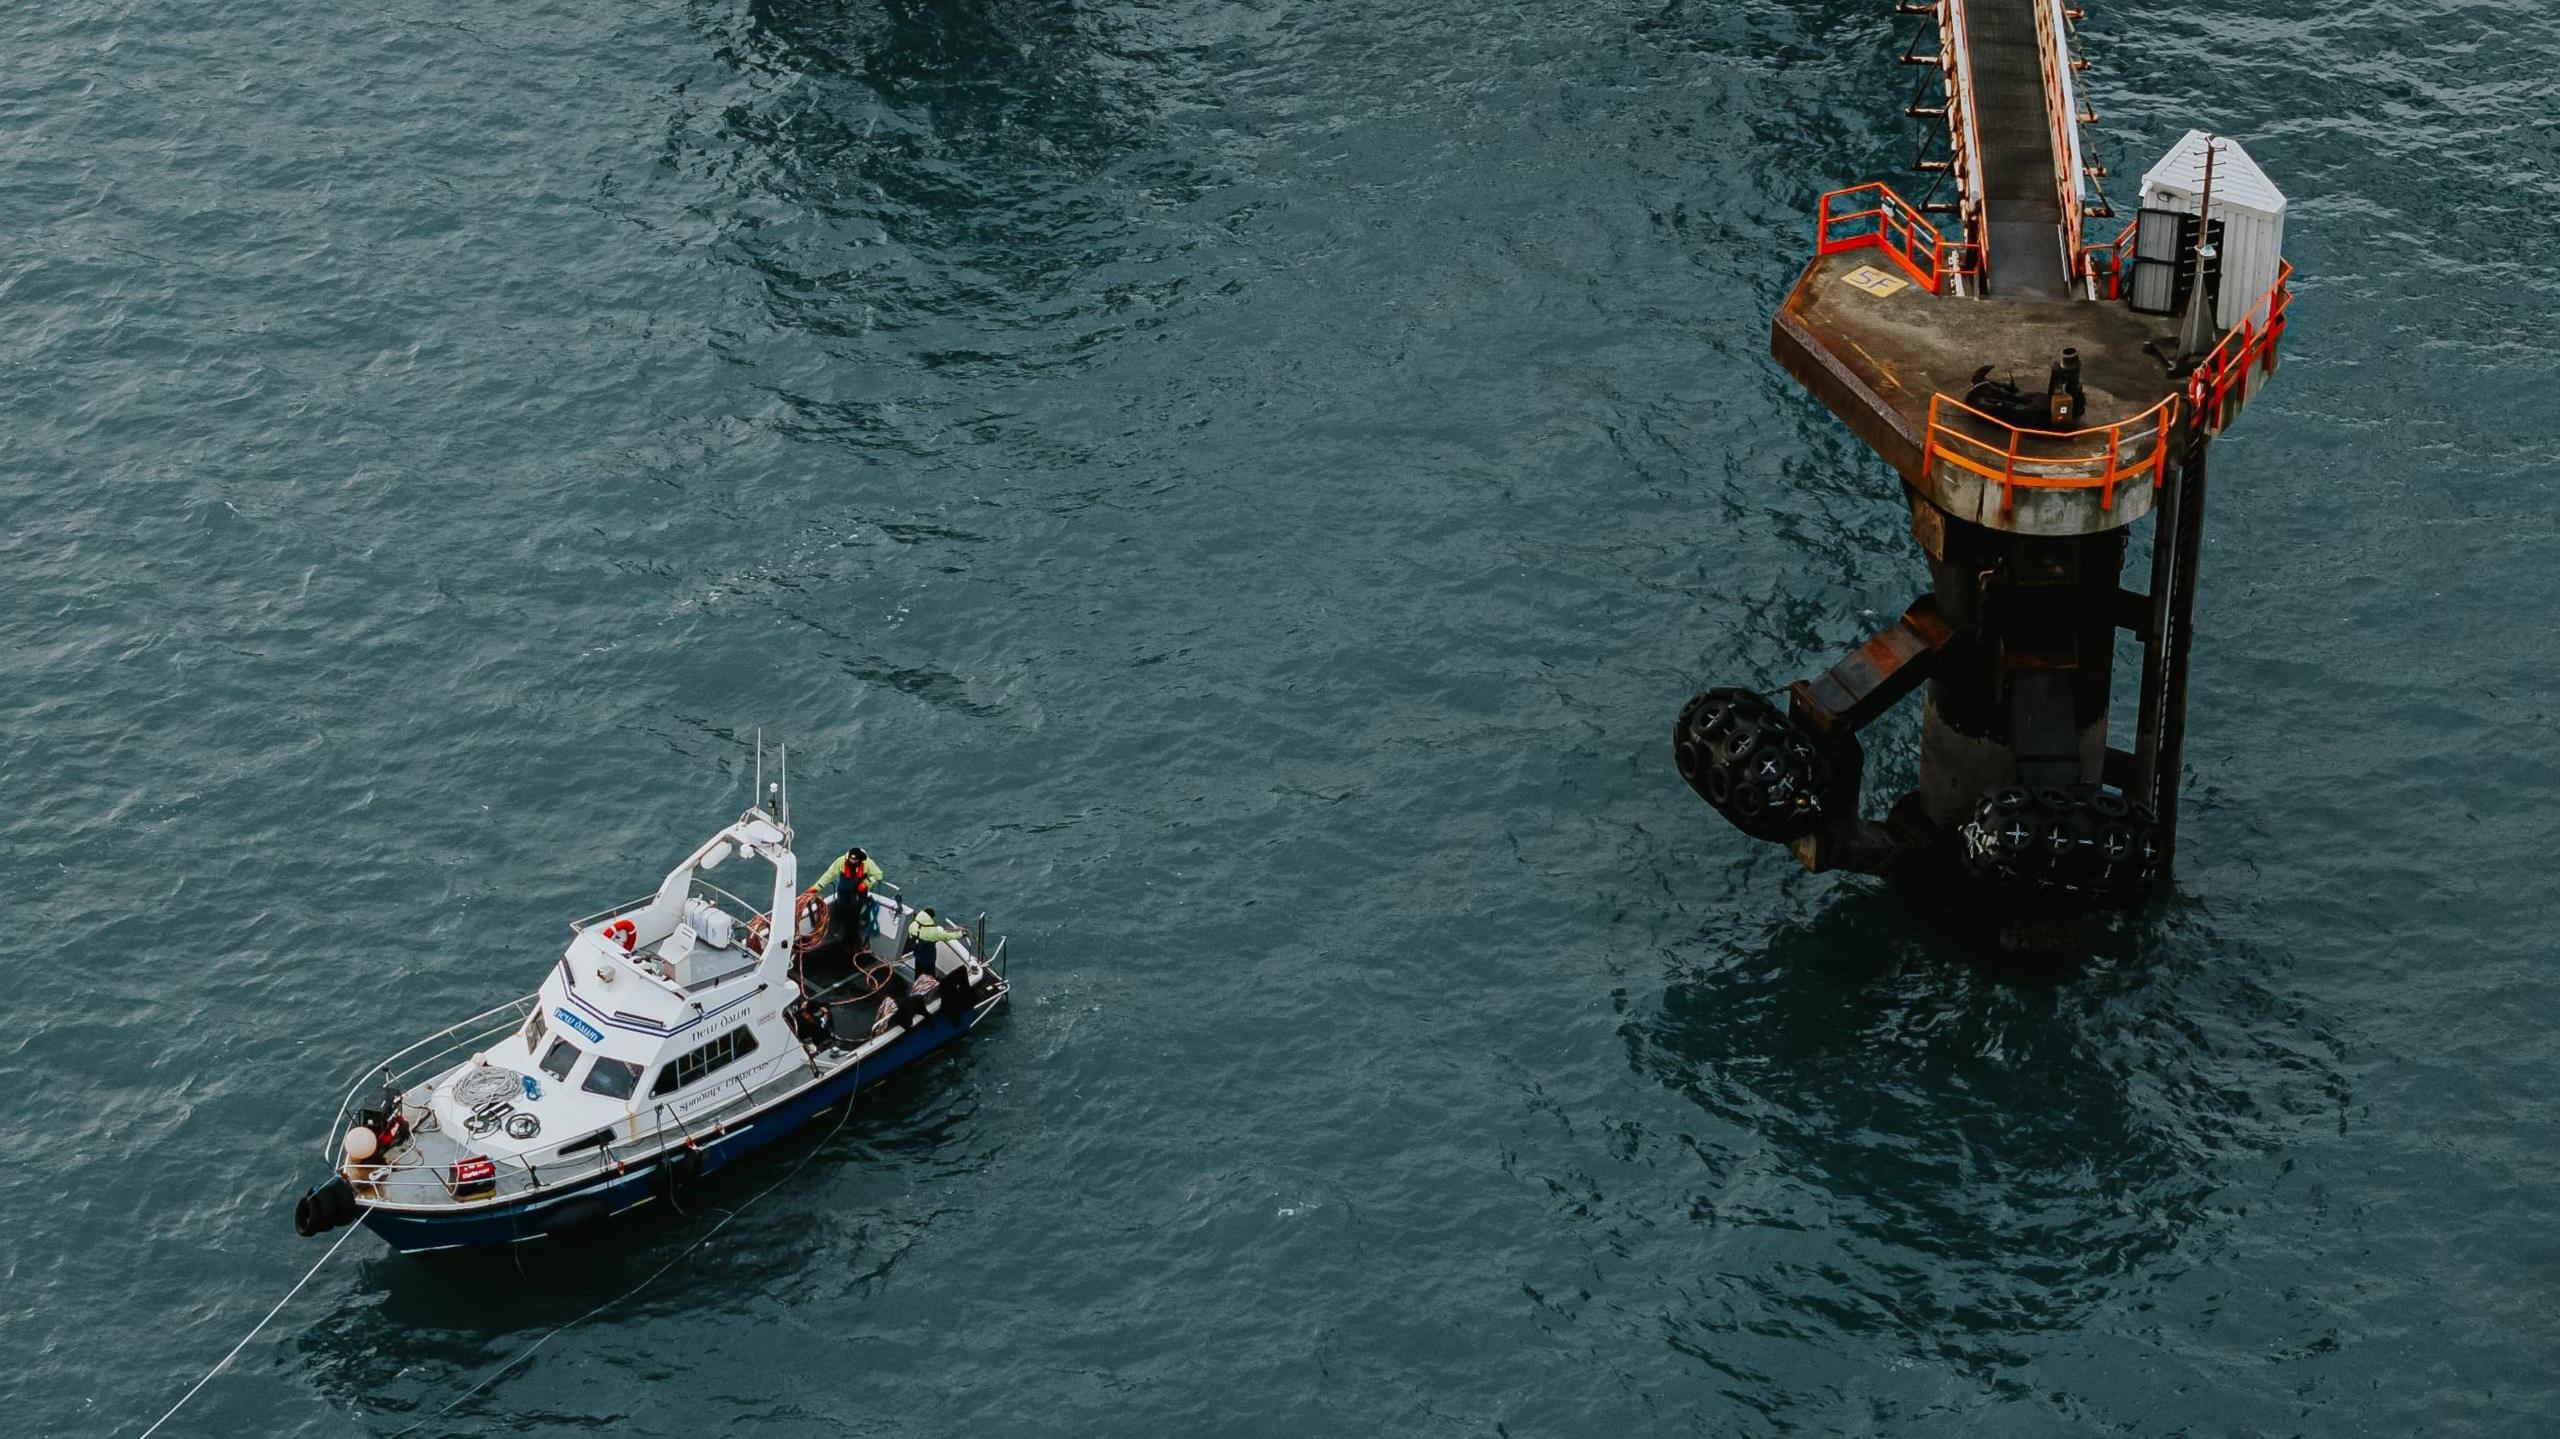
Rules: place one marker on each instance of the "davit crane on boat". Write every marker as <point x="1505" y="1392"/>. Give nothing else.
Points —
<point x="1915" y="324"/>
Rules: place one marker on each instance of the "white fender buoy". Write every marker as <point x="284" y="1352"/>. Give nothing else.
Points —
<point x="361" y="1144"/>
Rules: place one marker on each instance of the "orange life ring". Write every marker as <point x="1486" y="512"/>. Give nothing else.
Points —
<point x="624" y="931"/>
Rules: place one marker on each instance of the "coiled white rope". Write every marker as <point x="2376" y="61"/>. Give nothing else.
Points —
<point x="252" y="1334"/>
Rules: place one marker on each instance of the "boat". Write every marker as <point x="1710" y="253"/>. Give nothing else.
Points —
<point x="674" y="1035"/>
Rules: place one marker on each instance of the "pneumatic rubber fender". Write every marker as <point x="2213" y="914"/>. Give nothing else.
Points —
<point x="2085" y="848"/>
<point x="1755" y="765"/>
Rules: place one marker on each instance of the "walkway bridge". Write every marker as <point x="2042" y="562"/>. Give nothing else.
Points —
<point x="2011" y="80"/>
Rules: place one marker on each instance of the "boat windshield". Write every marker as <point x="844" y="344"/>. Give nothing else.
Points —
<point x="612" y="1078"/>
<point x="562" y="1058"/>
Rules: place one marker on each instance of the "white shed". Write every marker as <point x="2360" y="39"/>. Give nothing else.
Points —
<point x="2246" y="204"/>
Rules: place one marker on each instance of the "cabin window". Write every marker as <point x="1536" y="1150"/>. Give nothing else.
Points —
<point x="710" y="1059"/>
<point x="534" y="1029"/>
<point x="612" y="1078"/>
<point x="562" y="1058"/>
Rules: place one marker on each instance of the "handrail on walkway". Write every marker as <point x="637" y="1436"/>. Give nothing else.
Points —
<point x="2062" y="120"/>
<point x="2110" y="265"/>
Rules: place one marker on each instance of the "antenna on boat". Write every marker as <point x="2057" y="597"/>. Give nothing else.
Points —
<point x="757" y="794"/>
<point x="782" y="788"/>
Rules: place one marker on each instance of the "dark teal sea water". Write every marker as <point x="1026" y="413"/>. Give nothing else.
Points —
<point x="1238" y="491"/>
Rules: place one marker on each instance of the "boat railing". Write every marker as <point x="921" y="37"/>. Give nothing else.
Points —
<point x="737" y="909"/>
<point x="417" y="1180"/>
<point x="616" y="912"/>
<point x="994" y="959"/>
<point x="435" y="1053"/>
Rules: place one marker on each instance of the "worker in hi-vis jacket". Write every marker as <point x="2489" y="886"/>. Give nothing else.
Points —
<point x="925" y="932"/>
<point x="847" y="885"/>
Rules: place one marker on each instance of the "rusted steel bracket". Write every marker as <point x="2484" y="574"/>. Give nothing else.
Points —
<point x="1834" y="705"/>
<point x="1875" y="676"/>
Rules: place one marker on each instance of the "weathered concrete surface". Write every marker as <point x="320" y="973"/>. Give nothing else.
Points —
<point x="1876" y="360"/>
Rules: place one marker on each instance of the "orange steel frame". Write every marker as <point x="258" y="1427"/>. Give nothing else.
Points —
<point x="2110" y="263"/>
<point x="1955" y="61"/>
<point x="2080" y="467"/>
<point x="2074" y="459"/>
<point x="1895" y="226"/>
<point x="2251" y="343"/>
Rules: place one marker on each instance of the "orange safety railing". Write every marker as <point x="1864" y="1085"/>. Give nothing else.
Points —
<point x="1955" y="59"/>
<point x="2061" y="115"/>
<point x="2250" y="345"/>
<point x="2106" y="457"/>
<point x="2110" y="265"/>
<point x="1872" y="216"/>
<point x="2102" y="458"/>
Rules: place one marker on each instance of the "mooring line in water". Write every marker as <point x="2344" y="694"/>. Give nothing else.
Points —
<point x="727" y="1215"/>
<point x="252" y="1334"/>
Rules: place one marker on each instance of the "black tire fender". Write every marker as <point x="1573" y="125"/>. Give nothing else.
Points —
<point x="1759" y="769"/>
<point x="2081" y="849"/>
<point x="325" y="1206"/>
